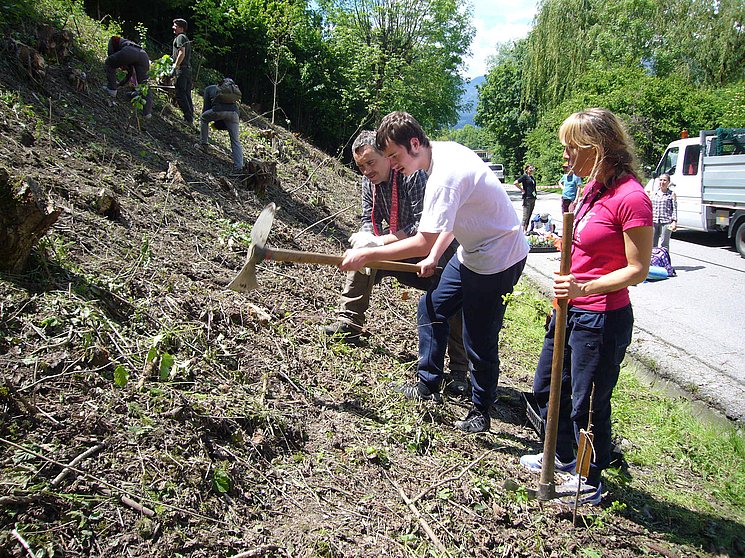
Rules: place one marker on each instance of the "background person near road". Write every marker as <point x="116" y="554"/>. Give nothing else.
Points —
<point x="527" y="186"/>
<point x="665" y="210"/>
<point x="570" y="189"/>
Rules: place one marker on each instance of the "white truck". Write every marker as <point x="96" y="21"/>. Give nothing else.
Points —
<point x="708" y="173"/>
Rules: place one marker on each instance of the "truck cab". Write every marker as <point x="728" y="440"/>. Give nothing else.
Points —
<point x="682" y="161"/>
<point x="707" y="174"/>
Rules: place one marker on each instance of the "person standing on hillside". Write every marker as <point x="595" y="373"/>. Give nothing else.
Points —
<point x="388" y="196"/>
<point x="182" y="69"/>
<point x="221" y="107"/>
<point x="527" y="186"/>
<point x="464" y="200"/>
<point x="570" y="189"/>
<point x="123" y="53"/>
<point x="611" y="249"/>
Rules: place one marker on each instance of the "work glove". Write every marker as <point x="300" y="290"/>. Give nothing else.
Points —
<point x="174" y="71"/>
<point x="364" y="239"/>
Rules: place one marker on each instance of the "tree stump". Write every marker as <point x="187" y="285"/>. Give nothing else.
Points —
<point x="25" y="216"/>
<point x="260" y="175"/>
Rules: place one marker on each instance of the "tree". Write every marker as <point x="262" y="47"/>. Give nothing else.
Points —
<point x="397" y="54"/>
<point x="654" y="109"/>
<point x="470" y="136"/>
<point x="501" y="111"/>
<point x="700" y="40"/>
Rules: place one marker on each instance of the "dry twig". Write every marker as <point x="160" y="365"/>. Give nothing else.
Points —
<point x="86" y="454"/>
<point x="427" y="529"/>
<point x="109" y="485"/>
<point x="429" y="489"/>
<point x="23" y="542"/>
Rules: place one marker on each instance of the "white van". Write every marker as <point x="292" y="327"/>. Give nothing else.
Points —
<point x="497" y="169"/>
<point x="708" y="173"/>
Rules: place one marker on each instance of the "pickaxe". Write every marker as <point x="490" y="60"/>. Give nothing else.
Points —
<point x="258" y="251"/>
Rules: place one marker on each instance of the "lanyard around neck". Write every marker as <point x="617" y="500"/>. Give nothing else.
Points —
<point x="393" y="212"/>
<point x="579" y="214"/>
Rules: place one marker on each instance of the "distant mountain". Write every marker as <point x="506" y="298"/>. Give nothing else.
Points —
<point x="469" y="100"/>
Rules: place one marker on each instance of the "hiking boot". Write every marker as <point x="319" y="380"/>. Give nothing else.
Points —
<point x="345" y="330"/>
<point x="418" y="392"/>
<point x="457" y="385"/>
<point x="475" y="421"/>
<point x="535" y="462"/>
<point x="589" y="495"/>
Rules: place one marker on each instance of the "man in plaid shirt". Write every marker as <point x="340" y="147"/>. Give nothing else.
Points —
<point x="391" y="208"/>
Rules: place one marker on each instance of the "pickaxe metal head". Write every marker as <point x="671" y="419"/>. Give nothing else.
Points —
<point x="246" y="280"/>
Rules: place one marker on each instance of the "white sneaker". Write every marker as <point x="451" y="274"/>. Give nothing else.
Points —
<point x="535" y="462"/>
<point x="111" y="92"/>
<point x="589" y="495"/>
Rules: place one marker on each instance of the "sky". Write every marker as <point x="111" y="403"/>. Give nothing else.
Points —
<point x="497" y="21"/>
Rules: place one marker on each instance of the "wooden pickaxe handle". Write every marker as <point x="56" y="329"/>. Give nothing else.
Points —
<point x="284" y="255"/>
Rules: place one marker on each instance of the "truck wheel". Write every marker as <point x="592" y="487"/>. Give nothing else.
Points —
<point x="740" y="238"/>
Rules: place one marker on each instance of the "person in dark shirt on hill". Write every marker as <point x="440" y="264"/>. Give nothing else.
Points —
<point x="182" y="69"/>
<point x="128" y="55"/>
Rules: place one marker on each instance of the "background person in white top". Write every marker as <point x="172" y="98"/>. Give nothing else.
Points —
<point x="463" y="199"/>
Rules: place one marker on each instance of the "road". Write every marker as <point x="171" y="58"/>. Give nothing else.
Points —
<point x="688" y="329"/>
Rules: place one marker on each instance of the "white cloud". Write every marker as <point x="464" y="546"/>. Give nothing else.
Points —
<point x="497" y="22"/>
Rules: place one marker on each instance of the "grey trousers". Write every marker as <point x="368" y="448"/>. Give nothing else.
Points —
<point x="231" y="120"/>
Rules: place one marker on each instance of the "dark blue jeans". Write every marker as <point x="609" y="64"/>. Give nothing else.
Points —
<point x="482" y="299"/>
<point x="595" y="345"/>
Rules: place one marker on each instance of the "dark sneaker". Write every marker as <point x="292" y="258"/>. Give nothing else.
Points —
<point x="345" y="330"/>
<point x="475" y="421"/>
<point x="418" y="392"/>
<point x="457" y="387"/>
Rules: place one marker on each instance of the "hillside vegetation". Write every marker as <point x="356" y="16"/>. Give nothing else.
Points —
<point x="149" y="411"/>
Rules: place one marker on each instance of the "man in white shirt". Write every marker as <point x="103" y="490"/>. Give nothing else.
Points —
<point x="465" y="200"/>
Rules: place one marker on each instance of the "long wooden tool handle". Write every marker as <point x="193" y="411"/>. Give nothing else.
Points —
<point x="283" y="255"/>
<point x="557" y="364"/>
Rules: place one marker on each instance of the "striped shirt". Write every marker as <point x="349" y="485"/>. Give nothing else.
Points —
<point x="410" y="203"/>
<point x="664" y="207"/>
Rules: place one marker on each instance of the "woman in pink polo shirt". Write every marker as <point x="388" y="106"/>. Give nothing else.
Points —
<point x="611" y="250"/>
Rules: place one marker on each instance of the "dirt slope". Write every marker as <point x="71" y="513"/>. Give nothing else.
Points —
<point x="237" y="426"/>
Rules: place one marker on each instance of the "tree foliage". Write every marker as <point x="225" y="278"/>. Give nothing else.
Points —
<point x="470" y="136"/>
<point x="500" y="110"/>
<point x="663" y="65"/>
<point x="654" y="109"/>
<point x="700" y="40"/>
<point x="399" y="55"/>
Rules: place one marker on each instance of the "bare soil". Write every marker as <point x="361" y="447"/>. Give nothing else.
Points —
<point x="263" y="438"/>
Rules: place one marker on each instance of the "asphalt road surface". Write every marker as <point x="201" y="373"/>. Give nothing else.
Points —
<point x="688" y="329"/>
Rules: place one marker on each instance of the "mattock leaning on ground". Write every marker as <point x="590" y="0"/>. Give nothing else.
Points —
<point x="547" y="489"/>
